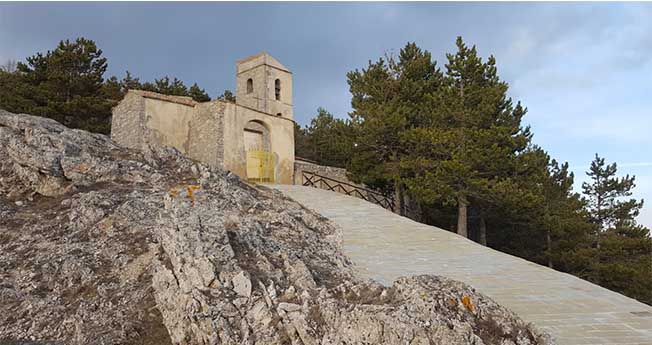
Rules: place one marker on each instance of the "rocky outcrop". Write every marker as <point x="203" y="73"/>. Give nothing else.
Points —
<point x="105" y="245"/>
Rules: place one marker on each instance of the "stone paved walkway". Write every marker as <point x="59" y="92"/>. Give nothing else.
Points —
<point x="385" y="246"/>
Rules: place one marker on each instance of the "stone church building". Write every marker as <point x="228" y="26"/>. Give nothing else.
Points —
<point x="253" y="137"/>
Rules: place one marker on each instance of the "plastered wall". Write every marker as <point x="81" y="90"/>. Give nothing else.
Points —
<point x="281" y="139"/>
<point x="211" y="132"/>
<point x="195" y="129"/>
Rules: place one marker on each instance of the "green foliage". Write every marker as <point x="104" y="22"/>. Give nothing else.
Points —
<point x="625" y="262"/>
<point x="453" y="142"/>
<point x="604" y="193"/>
<point x="326" y="140"/>
<point x="198" y="94"/>
<point x="166" y="86"/>
<point x="67" y="84"/>
<point x="622" y="260"/>
<point x="174" y="87"/>
<point x="390" y="97"/>
<point x="451" y="139"/>
<point x="15" y="95"/>
<point x="227" y="96"/>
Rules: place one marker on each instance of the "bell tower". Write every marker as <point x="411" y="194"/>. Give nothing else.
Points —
<point x="264" y="84"/>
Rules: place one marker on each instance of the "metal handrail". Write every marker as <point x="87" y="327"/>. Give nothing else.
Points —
<point x="312" y="179"/>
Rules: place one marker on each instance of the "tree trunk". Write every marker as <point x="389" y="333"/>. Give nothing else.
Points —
<point x="400" y="200"/>
<point x="462" y="206"/>
<point x="483" y="231"/>
<point x="549" y="246"/>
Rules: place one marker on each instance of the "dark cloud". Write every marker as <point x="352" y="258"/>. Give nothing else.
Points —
<point x="582" y="69"/>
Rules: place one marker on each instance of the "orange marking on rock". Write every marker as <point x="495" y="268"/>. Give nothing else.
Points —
<point x="191" y="189"/>
<point x="466" y="300"/>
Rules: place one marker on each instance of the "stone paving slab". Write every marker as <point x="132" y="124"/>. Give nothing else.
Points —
<point x="385" y="246"/>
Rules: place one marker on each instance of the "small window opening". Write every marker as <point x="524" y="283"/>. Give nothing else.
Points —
<point x="277" y="89"/>
<point x="250" y="85"/>
<point x="279" y="114"/>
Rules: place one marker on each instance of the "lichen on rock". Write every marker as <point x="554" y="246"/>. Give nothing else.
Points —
<point x="96" y="249"/>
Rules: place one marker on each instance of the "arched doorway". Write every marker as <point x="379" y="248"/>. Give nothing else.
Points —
<point x="260" y="159"/>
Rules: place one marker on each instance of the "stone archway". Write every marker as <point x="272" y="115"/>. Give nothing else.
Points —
<point x="259" y="156"/>
<point x="256" y="136"/>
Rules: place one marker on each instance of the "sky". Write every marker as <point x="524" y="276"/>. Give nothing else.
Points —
<point x="583" y="70"/>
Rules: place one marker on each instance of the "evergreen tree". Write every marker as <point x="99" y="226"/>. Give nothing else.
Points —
<point x="174" y="87"/>
<point x="301" y="145"/>
<point x="227" y="96"/>
<point x="128" y="82"/>
<point x="390" y="96"/>
<point x="15" y="94"/>
<point x="458" y="134"/>
<point x="327" y="140"/>
<point x="548" y="220"/>
<point x="467" y="151"/>
<point x="624" y="249"/>
<point x="604" y="194"/>
<point x="198" y="94"/>
<point x="65" y="84"/>
<point x="562" y="216"/>
<point x="625" y="261"/>
<point x="165" y="85"/>
<point x="112" y="89"/>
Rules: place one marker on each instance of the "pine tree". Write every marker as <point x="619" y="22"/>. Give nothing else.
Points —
<point x="625" y="262"/>
<point x="459" y="134"/>
<point x="166" y="86"/>
<point x="327" y="140"/>
<point x="624" y="249"/>
<point x="227" y="96"/>
<point x="549" y="211"/>
<point x="112" y="89"/>
<point x="302" y="148"/>
<point x="390" y="96"/>
<point x="66" y="84"/>
<point x="174" y="87"/>
<point x="604" y="194"/>
<point x="15" y="94"/>
<point x="128" y="82"/>
<point x="466" y="151"/>
<point x="198" y="94"/>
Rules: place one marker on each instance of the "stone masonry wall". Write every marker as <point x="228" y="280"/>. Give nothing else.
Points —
<point x="128" y="121"/>
<point x="150" y="119"/>
<point x="206" y="134"/>
<point x="331" y="172"/>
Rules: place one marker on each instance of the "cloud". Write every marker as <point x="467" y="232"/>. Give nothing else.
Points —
<point x="581" y="69"/>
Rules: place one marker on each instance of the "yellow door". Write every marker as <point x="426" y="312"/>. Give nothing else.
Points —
<point x="260" y="166"/>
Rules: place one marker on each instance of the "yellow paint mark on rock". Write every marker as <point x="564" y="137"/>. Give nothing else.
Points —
<point x="466" y="300"/>
<point x="191" y="190"/>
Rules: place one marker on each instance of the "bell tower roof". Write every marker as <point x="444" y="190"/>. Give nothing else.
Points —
<point x="257" y="60"/>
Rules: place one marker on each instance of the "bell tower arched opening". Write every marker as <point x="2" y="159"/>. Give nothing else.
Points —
<point x="265" y="85"/>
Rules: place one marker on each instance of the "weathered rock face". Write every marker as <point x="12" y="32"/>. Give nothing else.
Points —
<point x="104" y="245"/>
